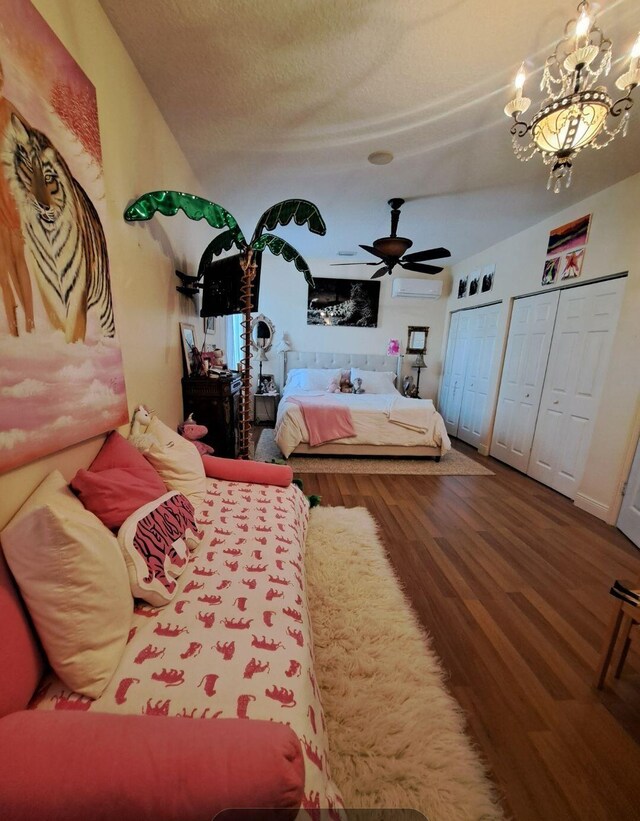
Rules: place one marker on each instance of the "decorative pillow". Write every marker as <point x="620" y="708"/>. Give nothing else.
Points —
<point x="312" y="379"/>
<point x="119" y="481"/>
<point x="155" y="542"/>
<point x="74" y="582"/>
<point x="375" y="381"/>
<point x="176" y="460"/>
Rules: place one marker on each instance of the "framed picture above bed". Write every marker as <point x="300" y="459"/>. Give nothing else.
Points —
<point x="352" y="302"/>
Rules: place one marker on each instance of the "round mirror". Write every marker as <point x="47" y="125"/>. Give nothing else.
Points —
<point x="262" y="333"/>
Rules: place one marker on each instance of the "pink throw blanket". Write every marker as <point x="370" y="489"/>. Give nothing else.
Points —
<point x="325" y="420"/>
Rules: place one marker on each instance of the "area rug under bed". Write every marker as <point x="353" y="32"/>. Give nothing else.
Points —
<point x="453" y="463"/>
<point x="397" y="737"/>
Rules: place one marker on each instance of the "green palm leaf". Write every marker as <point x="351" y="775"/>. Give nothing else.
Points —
<point x="302" y="212"/>
<point x="168" y="203"/>
<point x="280" y="248"/>
<point x="223" y="242"/>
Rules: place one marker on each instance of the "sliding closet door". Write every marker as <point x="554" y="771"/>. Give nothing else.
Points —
<point x="525" y="363"/>
<point x="481" y="344"/>
<point x="580" y="349"/>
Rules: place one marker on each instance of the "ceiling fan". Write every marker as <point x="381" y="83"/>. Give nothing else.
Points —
<point x="391" y="250"/>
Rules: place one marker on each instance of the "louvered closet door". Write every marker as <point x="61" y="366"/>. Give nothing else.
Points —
<point x="578" y="359"/>
<point x="481" y="344"/>
<point x="445" y="397"/>
<point x="525" y="363"/>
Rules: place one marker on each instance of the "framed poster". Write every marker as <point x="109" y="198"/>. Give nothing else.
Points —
<point x="61" y="379"/>
<point x="343" y="302"/>
<point x="565" y="250"/>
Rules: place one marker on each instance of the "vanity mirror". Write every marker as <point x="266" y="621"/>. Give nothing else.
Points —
<point x="417" y="339"/>
<point x="262" y="333"/>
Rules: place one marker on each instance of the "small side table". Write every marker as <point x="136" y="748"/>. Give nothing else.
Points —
<point x="267" y="404"/>
<point x="418" y="368"/>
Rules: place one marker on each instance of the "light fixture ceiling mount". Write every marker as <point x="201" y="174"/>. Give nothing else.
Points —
<point x="577" y="112"/>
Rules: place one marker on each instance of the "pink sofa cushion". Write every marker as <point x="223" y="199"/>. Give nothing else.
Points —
<point x="21" y="660"/>
<point x="237" y="470"/>
<point x="75" y="766"/>
<point x="119" y="481"/>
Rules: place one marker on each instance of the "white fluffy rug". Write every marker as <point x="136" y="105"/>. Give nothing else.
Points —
<point x="396" y="736"/>
<point x="453" y="463"/>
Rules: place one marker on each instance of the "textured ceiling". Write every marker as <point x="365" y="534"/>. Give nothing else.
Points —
<point x="277" y="98"/>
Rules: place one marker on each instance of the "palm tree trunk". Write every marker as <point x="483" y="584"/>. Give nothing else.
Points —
<point x="247" y="261"/>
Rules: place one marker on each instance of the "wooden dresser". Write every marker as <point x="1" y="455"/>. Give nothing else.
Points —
<point x="214" y="403"/>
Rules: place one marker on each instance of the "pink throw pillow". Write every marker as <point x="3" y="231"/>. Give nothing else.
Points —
<point x="239" y="470"/>
<point x="155" y="542"/>
<point x="119" y="481"/>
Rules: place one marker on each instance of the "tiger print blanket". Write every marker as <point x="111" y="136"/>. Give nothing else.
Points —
<point x="236" y="639"/>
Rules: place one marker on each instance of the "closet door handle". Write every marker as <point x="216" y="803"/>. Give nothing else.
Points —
<point x="527" y="396"/>
<point x="556" y="401"/>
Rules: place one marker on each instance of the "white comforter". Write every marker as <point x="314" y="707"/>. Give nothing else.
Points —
<point x="378" y="419"/>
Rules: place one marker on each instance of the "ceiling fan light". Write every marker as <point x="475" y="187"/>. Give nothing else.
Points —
<point x="392" y="246"/>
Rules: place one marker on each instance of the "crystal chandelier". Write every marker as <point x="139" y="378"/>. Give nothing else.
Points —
<point x="577" y="112"/>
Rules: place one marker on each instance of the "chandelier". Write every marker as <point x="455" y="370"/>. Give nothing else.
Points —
<point x="576" y="112"/>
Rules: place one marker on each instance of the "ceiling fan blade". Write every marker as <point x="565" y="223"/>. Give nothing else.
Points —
<point x="370" y="249"/>
<point x="422" y="269"/>
<point x="354" y="263"/>
<point x="381" y="272"/>
<point x="423" y="256"/>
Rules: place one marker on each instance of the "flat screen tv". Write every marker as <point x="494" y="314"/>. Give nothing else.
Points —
<point x="221" y="280"/>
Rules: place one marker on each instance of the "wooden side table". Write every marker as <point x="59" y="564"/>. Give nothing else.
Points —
<point x="214" y="403"/>
<point x="268" y="403"/>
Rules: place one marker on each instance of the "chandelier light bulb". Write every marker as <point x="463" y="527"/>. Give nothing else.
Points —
<point x="521" y="77"/>
<point x="583" y="25"/>
<point x="635" y="51"/>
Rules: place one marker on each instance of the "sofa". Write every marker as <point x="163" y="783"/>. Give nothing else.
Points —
<point x="214" y="702"/>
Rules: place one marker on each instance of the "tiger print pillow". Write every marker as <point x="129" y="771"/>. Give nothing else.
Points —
<point x="155" y="542"/>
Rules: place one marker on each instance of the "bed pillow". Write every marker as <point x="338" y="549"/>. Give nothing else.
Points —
<point x="313" y="379"/>
<point x="73" y="580"/>
<point x="118" y="482"/>
<point x="176" y="460"/>
<point x="375" y="381"/>
<point x="155" y="543"/>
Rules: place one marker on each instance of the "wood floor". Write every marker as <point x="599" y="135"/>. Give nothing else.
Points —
<point x="511" y="580"/>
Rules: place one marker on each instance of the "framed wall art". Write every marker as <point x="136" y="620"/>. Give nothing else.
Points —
<point x="61" y="379"/>
<point x="351" y="302"/>
<point x="565" y="250"/>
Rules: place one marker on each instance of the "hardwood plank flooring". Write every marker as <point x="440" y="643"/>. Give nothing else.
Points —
<point x="511" y="581"/>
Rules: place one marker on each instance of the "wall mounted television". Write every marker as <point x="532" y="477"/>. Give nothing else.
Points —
<point x="221" y="286"/>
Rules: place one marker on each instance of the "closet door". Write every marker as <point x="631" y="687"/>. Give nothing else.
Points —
<point x="456" y="368"/>
<point x="629" y="518"/>
<point x="480" y="360"/>
<point x="578" y="359"/>
<point x="525" y="363"/>
<point x="444" y="397"/>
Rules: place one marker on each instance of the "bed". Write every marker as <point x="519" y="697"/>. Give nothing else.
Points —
<point x="384" y="423"/>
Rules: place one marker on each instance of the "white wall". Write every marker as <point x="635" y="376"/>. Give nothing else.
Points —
<point x="283" y="298"/>
<point x="613" y="247"/>
<point x="140" y="154"/>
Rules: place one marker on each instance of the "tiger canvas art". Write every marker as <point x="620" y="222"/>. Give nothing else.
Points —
<point x="61" y="378"/>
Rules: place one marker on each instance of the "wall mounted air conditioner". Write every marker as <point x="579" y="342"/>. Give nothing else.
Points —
<point x="416" y="288"/>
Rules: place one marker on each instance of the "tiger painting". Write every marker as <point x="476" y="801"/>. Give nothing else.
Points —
<point x="63" y="236"/>
<point x="15" y="283"/>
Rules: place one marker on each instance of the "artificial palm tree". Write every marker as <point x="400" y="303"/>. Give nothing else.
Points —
<point x="302" y="212"/>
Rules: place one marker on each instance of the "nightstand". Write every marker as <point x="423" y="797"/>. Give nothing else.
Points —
<point x="214" y="403"/>
<point x="265" y="408"/>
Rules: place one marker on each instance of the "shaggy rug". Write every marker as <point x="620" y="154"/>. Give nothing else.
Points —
<point x="453" y="463"/>
<point x="396" y="736"/>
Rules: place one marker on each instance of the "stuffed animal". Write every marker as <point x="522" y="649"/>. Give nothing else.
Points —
<point x="357" y="386"/>
<point x="138" y="435"/>
<point x="334" y="386"/>
<point x="346" y="385"/>
<point x="192" y="431"/>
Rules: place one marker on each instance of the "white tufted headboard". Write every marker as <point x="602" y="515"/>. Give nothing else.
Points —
<point x="365" y="361"/>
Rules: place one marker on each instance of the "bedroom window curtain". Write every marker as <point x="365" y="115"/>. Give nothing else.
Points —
<point x="233" y="331"/>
